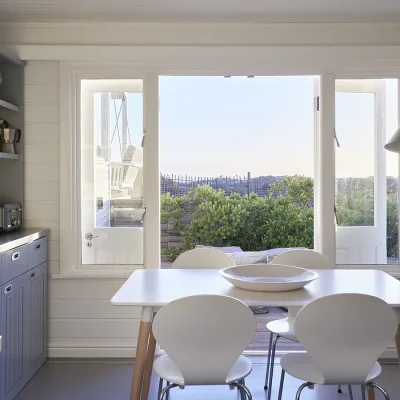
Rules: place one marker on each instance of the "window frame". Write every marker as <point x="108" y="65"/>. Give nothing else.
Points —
<point x="324" y="177"/>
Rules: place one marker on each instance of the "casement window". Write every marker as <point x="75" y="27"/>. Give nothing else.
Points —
<point x="115" y="153"/>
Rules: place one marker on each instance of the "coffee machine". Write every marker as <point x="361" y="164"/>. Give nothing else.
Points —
<point x="8" y="137"/>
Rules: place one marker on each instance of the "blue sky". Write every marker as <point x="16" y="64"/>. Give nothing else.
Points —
<point x="211" y="126"/>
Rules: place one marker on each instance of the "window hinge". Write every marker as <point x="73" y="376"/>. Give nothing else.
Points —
<point x="336" y="138"/>
<point x="143" y="136"/>
<point x="316" y="103"/>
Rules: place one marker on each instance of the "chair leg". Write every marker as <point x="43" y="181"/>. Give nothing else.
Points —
<point x="271" y="373"/>
<point x="160" y="387"/>
<point x="301" y="388"/>
<point x="166" y="390"/>
<point x="350" y="392"/>
<point x="362" y="392"/>
<point x="167" y="394"/>
<point x="380" y="388"/>
<point x="271" y="336"/>
<point x="281" y="384"/>
<point x="243" y="387"/>
<point x="339" y="389"/>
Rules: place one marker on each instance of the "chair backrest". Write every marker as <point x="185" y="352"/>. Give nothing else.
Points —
<point x="204" y="335"/>
<point x="203" y="258"/>
<point x="345" y="334"/>
<point x="308" y="259"/>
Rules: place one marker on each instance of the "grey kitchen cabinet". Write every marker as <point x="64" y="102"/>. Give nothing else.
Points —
<point x="23" y="320"/>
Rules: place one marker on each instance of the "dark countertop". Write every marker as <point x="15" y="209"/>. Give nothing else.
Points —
<point x="10" y="240"/>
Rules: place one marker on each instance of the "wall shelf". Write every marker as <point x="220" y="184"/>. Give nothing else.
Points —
<point x="5" y="105"/>
<point x="9" y="156"/>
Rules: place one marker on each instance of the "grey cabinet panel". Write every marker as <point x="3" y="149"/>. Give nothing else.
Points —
<point x="37" y="252"/>
<point x="14" y="263"/>
<point x="15" y="325"/>
<point x="38" y="317"/>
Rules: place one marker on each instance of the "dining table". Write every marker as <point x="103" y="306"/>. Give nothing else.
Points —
<point x="152" y="289"/>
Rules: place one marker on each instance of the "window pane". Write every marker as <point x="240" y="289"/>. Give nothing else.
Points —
<point x="366" y="184"/>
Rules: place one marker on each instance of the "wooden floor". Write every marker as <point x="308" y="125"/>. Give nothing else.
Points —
<point x="111" y="381"/>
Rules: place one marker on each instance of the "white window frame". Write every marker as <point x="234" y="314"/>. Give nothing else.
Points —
<point x="71" y="75"/>
<point x="324" y="228"/>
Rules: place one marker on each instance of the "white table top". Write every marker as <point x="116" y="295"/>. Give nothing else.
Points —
<point x="158" y="287"/>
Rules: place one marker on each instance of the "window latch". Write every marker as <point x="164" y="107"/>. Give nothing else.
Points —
<point x="336" y="215"/>
<point x="336" y="138"/>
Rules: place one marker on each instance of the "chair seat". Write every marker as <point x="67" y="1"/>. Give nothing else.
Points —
<point x="302" y="366"/>
<point x="283" y="327"/>
<point x="166" y="369"/>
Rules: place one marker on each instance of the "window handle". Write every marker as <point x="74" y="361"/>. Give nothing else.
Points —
<point x="336" y="138"/>
<point x="336" y="215"/>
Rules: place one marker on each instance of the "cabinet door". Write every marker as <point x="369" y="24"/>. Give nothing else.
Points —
<point x="15" y="327"/>
<point x="38" y="317"/>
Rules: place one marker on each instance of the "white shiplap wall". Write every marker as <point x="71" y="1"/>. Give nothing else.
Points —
<point x="82" y="321"/>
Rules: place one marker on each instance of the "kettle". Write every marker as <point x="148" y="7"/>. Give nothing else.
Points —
<point x="8" y="137"/>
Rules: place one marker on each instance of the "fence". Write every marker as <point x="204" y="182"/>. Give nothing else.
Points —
<point x="180" y="185"/>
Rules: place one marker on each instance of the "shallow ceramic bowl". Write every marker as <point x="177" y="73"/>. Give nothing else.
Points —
<point x="268" y="277"/>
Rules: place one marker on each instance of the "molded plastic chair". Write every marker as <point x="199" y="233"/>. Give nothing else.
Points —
<point x="284" y="327"/>
<point x="203" y="258"/>
<point x="344" y="335"/>
<point x="204" y="337"/>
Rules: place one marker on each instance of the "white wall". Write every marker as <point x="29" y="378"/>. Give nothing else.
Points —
<point x="82" y="321"/>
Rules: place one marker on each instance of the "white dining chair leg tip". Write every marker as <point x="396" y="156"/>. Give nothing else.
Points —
<point x="301" y="388"/>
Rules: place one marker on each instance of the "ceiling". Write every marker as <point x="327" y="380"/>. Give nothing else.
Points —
<point x="200" y="10"/>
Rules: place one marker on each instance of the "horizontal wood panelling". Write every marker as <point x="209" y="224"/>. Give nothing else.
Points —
<point x="41" y="113"/>
<point x="54" y="250"/>
<point x="42" y="173"/>
<point x="42" y="210"/>
<point x="84" y="289"/>
<point x="46" y="191"/>
<point x="41" y="94"/>
<point x="45" y="73"/>
<point x="99" y="309"/>
<point x="90" y="343"/>
<point x="54" y="227"/>
<point x="42" y="153"/>
<point x="93" y="328"/>
<point x="53" y="267"/>
<point x="42" y="133"/>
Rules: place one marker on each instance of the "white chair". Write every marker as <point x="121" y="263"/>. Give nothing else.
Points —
<point x="203" y="258"/>
<point x="344" y="335"/>
<point x="285" y="327"/>
<point x="204" y="337"/>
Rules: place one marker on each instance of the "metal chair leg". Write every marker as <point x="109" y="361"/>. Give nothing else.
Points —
<point x="339" y="389"/>
<point x="380" y="388"/>
<point x="271" y="336"/>
<point x="271" y="373"/>
<point x="167" y="394"/>
<point x="301" y="388"/>
<point x="350" y="392"/>
<point x="166" y="389"/>
<point x="242" y="387"/>
<point x="281" y="384"/>
<point x="363" y="392"/>
<point x="160" y="387"/>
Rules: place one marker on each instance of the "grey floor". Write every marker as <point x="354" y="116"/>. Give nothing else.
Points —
<point x="111" y="381"/>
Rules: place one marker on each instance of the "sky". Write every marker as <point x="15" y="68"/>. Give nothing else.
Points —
<point x="213" y="126"/>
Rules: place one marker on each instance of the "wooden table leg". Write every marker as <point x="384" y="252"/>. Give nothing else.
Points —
<point x="371" y="393"/>
<point x="148" y="369"/>
<point x="141" y="353"/>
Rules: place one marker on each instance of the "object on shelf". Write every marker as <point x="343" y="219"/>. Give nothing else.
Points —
<point x="8" y="137"/>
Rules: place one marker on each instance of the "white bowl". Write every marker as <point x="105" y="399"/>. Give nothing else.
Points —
<point x="268" y="277"/>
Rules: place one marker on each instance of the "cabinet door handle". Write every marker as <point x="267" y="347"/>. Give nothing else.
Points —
<point x="37" y="246"/>
<point x="15" y="256"/>
<point x="33" y="274"/>
<point x="8" y="289"/>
